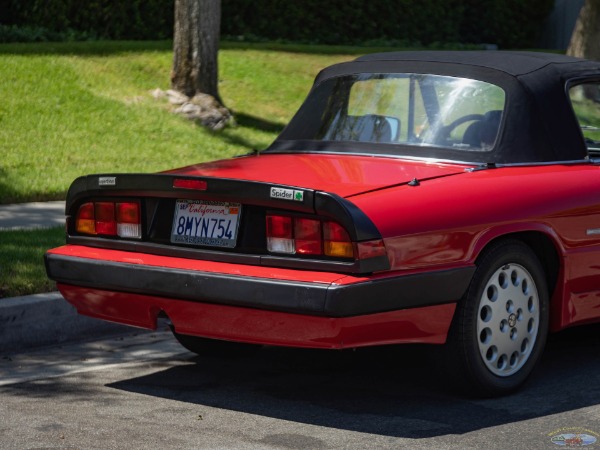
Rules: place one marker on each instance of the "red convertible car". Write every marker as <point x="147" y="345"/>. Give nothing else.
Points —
<point x="416" y="197"/>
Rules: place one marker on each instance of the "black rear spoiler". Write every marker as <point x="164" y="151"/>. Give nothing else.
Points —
<point x="155" y="187"/>
<point x="326" y="204"/>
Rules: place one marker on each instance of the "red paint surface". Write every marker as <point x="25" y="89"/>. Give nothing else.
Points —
<point x="444" y="222"/>
<point x="449" y="221"/>
<point x="331" y="173"/>
<point x="419" y="325"/>
<point x="205" y="266"/>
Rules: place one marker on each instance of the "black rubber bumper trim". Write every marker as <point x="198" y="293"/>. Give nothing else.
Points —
<point x="410" y="291"/>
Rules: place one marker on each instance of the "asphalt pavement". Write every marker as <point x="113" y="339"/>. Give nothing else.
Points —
<point x="42" y="319"/>
<point x="21" y="216"/>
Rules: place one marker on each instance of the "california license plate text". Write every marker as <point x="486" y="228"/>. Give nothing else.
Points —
<point x="205" y="223"/>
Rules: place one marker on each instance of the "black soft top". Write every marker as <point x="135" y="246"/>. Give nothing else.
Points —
<point x="538" y="121"/>
<point x="512" y="63"/>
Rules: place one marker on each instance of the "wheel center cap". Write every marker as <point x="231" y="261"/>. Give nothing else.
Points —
<point x="512" y="320"/>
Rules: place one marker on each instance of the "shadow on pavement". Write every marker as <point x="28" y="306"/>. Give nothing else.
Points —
<point x="393" y="391"/>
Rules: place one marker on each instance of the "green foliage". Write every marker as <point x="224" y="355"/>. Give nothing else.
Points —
<point x="351" y="21"/>
<point x="433" y="23"/>
<point x="69" y="109"/>
<point x="21" y="260"/>
<point x="508" y="23"/>
<point x="100" y="19"/>
<point x="13" y="33"/>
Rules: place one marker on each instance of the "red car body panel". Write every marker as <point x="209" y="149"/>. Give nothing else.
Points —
<point x="506" y="201"/>
<point x="330" y="173"/>
<point x="145" y="259"/>
<point x="422" y="325"/>
<point x="442" y="233"/>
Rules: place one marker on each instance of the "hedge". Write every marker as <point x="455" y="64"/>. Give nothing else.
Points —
<point x="507" y="23"/>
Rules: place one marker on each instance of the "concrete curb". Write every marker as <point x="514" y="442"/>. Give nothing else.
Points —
<point x="46" y="319"/>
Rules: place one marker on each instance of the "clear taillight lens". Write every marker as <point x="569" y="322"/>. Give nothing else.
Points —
<point x="280" y="236"/>
<point x="128" y="220"/>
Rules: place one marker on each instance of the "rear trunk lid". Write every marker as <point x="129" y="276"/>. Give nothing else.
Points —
<point x="219" y="210"/>
<point x="343" y="175"/>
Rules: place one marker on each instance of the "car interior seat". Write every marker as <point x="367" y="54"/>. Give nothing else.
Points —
<point x="482" y="133"/>
<point x="369" y="128"/>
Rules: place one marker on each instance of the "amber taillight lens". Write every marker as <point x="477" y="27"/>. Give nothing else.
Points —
<point x="336" y="241"/>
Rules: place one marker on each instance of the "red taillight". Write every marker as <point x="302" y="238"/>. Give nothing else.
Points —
<point x="304" y="236"/>
<point x="279" y="227"/>
<point x="109" y="219"/>
<point x="105" y="218"/>
<point x="182" y="183"/>
<point x="337" y="241"/>
<point x="280" y="234"/>
<point x="307" y="234"/>
<point x="85" y="222"/>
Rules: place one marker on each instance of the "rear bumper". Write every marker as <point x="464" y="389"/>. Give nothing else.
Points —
<point x="427" y="325"/>
<point x="331" y="299"/>
<point x="266" y="305"/>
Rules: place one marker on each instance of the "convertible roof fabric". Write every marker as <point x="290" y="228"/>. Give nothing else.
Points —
<point x="513" y="63"/>
<point x="538" y="122"/>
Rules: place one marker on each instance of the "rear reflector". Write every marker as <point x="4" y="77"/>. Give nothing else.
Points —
<point x="110" y="219"/>
<point x="371" y="249"/>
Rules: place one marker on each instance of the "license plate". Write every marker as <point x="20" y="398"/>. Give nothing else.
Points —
<point x="198" y="222"/>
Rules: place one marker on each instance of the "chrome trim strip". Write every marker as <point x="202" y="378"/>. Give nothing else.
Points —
<point x="478" y="165"/>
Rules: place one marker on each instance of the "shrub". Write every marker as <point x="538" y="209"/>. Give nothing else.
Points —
<point x="507" y="23"/>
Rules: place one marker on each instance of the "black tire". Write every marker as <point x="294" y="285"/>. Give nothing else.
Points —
<point x="213" y="347"/>
<point x="501" y="324"/>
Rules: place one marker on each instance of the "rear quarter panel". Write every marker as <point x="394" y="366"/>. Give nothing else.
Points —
<point x="447" y="222"/>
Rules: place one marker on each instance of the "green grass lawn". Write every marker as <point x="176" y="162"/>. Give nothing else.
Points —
<point x="77" y="108"/>
<point x="21" y="260"/>
<point x="70" y="109"/>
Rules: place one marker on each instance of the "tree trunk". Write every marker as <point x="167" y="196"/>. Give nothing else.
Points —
<point x="195" y="47"/>
<point x="585" y="40"/>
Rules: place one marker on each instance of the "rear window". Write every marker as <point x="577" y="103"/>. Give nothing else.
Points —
<point x="409" y="109"/>
<point x="585" y="99"/>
